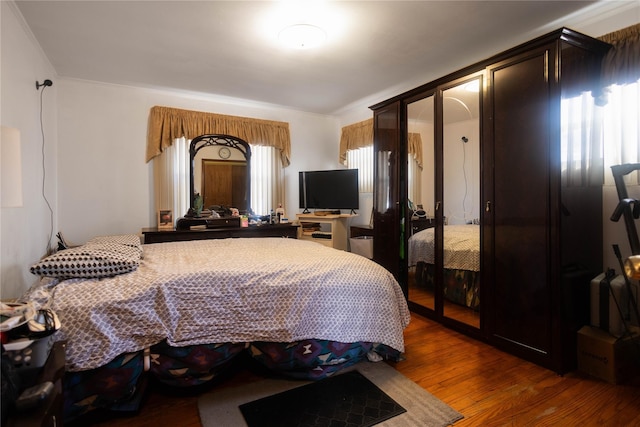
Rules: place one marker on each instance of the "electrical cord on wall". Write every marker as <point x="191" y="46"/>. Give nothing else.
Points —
<point x="43" y="85"/>
<point x="464" y="173"/>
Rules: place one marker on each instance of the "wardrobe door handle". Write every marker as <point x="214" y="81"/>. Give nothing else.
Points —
<point x="437" y="206"/>
<point x="487" y="206"/>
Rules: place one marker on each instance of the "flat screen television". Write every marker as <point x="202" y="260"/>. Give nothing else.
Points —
<point x="329" y="189"/>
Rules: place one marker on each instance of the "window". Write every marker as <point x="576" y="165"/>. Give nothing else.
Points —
<point x="581" y="140"/>
<point x="267" y="189"/>
<point x="621" y="129"/>
<point x="362" y="159"/>
<point x="597" y="137"/>
<point x="171" y="178"/>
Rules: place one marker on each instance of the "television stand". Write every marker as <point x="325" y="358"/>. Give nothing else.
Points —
<point x="329" y="230"/>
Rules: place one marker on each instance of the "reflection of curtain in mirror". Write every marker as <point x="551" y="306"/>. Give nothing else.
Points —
<point x="267" y="180"/>
<point x="414" y="167"/>
<point x="414" y="182"/>
<point x="384" y="181"/>
<point x="171" y="178"/>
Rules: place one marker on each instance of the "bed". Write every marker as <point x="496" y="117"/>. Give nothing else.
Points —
<point x="183" y="311"/>
<point x="461" y="251"/>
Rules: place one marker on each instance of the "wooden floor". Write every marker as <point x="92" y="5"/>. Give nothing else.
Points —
<point x="489" y="387"/>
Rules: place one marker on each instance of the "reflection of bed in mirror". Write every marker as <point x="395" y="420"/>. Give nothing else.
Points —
<point x="461" y="262"/>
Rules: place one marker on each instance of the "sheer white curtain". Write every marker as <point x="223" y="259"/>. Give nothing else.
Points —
<point x="171" y="178"/>
<point x="362" y="159"/>
<point x="267" y="180"/>
<point x="596" y="137"/>
<point x="582" y="156"/>
<point x="621" y="129"/>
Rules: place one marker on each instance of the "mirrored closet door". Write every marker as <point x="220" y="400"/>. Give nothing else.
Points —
<point x="443" y="179"/>
<point x="421" y="191"/>
<point x="461" y="202"/>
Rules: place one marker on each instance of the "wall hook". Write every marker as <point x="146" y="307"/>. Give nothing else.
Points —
<point x="44" y="83"/>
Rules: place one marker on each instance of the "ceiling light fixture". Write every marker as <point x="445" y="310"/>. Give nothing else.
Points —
<point x="472" y="86"/>
<point x="302" y="36"/>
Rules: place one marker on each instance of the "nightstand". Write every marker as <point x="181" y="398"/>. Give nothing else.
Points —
<point x="51" y="412"/>
<point x="419" y="224"/>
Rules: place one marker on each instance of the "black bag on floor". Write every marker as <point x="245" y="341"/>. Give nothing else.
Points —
<point x="10" y="388"/>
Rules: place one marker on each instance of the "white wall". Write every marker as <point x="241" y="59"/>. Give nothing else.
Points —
<point x="461" y="172"/>
<point x="24" y="231"/>
<point x="105" y="185"/>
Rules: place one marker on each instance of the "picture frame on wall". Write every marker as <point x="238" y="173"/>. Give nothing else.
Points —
<point x="165" y="219"/>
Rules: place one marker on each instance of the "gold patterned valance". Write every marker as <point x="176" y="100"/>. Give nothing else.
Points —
<point x="621" y="65"/>
<point x="355" y="136"/>
<point x="167" y="124"/>
<point x="415" y="147"/>
<point x="360" y="135"/>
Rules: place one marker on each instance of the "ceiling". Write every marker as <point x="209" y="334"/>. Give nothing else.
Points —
<point x="229" y="48"/>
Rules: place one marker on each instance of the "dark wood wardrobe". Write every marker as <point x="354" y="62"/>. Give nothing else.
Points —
<point x="500" y="166"/>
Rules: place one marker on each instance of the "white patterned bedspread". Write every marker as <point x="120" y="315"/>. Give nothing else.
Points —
<point x="461" y="247"/>
<point x="231" y="290"/>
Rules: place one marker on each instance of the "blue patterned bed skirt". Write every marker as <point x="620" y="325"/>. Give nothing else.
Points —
<point x="115" y="386"/>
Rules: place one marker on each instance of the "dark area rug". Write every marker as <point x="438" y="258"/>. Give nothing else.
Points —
<point x="347" y="400"/>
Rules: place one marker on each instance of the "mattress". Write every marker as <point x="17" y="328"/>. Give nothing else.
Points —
<point x="229" y="291"/>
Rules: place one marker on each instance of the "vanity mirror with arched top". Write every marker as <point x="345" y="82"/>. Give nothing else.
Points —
<point x="219" y="178"/>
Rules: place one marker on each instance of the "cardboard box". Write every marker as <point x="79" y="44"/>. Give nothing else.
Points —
<point x="604" y="356"/>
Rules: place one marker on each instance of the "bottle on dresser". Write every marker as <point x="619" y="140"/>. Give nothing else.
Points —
<point x="280" y="214"/>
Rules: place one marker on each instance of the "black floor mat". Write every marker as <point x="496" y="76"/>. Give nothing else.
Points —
<point x="345" y="400"/>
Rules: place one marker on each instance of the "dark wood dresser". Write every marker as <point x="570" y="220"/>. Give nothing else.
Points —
<point x="153" y="235"/>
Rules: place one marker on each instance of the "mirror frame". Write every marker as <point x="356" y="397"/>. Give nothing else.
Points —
<point x="210" y="140"/>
